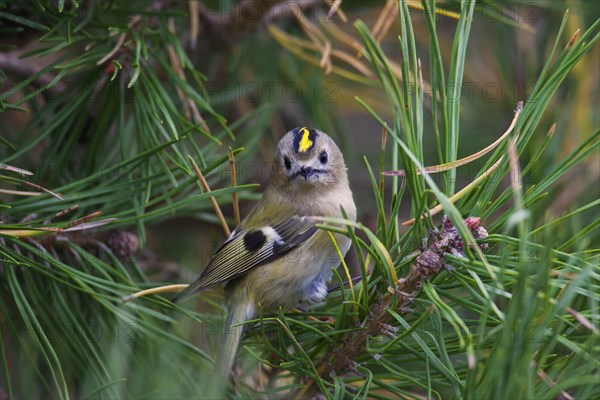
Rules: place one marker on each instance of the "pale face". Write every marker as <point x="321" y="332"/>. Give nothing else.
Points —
<point x="309" y="158"/>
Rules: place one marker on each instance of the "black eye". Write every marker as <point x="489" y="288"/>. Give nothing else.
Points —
<point x="287" y="162"/>
<point x="323" y="157"/>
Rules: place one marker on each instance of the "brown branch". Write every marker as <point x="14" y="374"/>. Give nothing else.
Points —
<point x="11" y="64"/>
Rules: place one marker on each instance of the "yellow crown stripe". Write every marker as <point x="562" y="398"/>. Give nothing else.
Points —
<point x="305" y="142"/>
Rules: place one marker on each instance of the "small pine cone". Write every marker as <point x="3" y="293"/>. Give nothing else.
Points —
<point x="473" y="223"/>
<point x="478" y="231"/>
<point x="429" y="263"/>
<point x="122" y="243"/>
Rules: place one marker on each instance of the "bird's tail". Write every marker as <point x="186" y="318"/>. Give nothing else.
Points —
<point x="239" y="312"/>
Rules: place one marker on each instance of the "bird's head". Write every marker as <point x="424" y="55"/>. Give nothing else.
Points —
<point x="308" y="158"/>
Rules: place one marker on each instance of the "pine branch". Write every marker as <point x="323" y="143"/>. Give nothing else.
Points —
<point x="427" y="264"/>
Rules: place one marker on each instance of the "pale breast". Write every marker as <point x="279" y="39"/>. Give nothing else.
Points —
<point x="299" y="276"/>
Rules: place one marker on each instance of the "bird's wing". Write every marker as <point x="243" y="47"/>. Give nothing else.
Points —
<point x="246" y="249"/>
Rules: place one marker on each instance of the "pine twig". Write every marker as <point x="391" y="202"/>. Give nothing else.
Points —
<point x="213" y="201"/>
<point x="234" y="195"/>
<point x="156" y="290"/>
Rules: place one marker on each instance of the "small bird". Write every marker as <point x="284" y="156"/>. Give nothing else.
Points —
<point x="277" y="257"/>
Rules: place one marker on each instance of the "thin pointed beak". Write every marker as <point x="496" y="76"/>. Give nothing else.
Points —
<point x="306" y="172"/>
